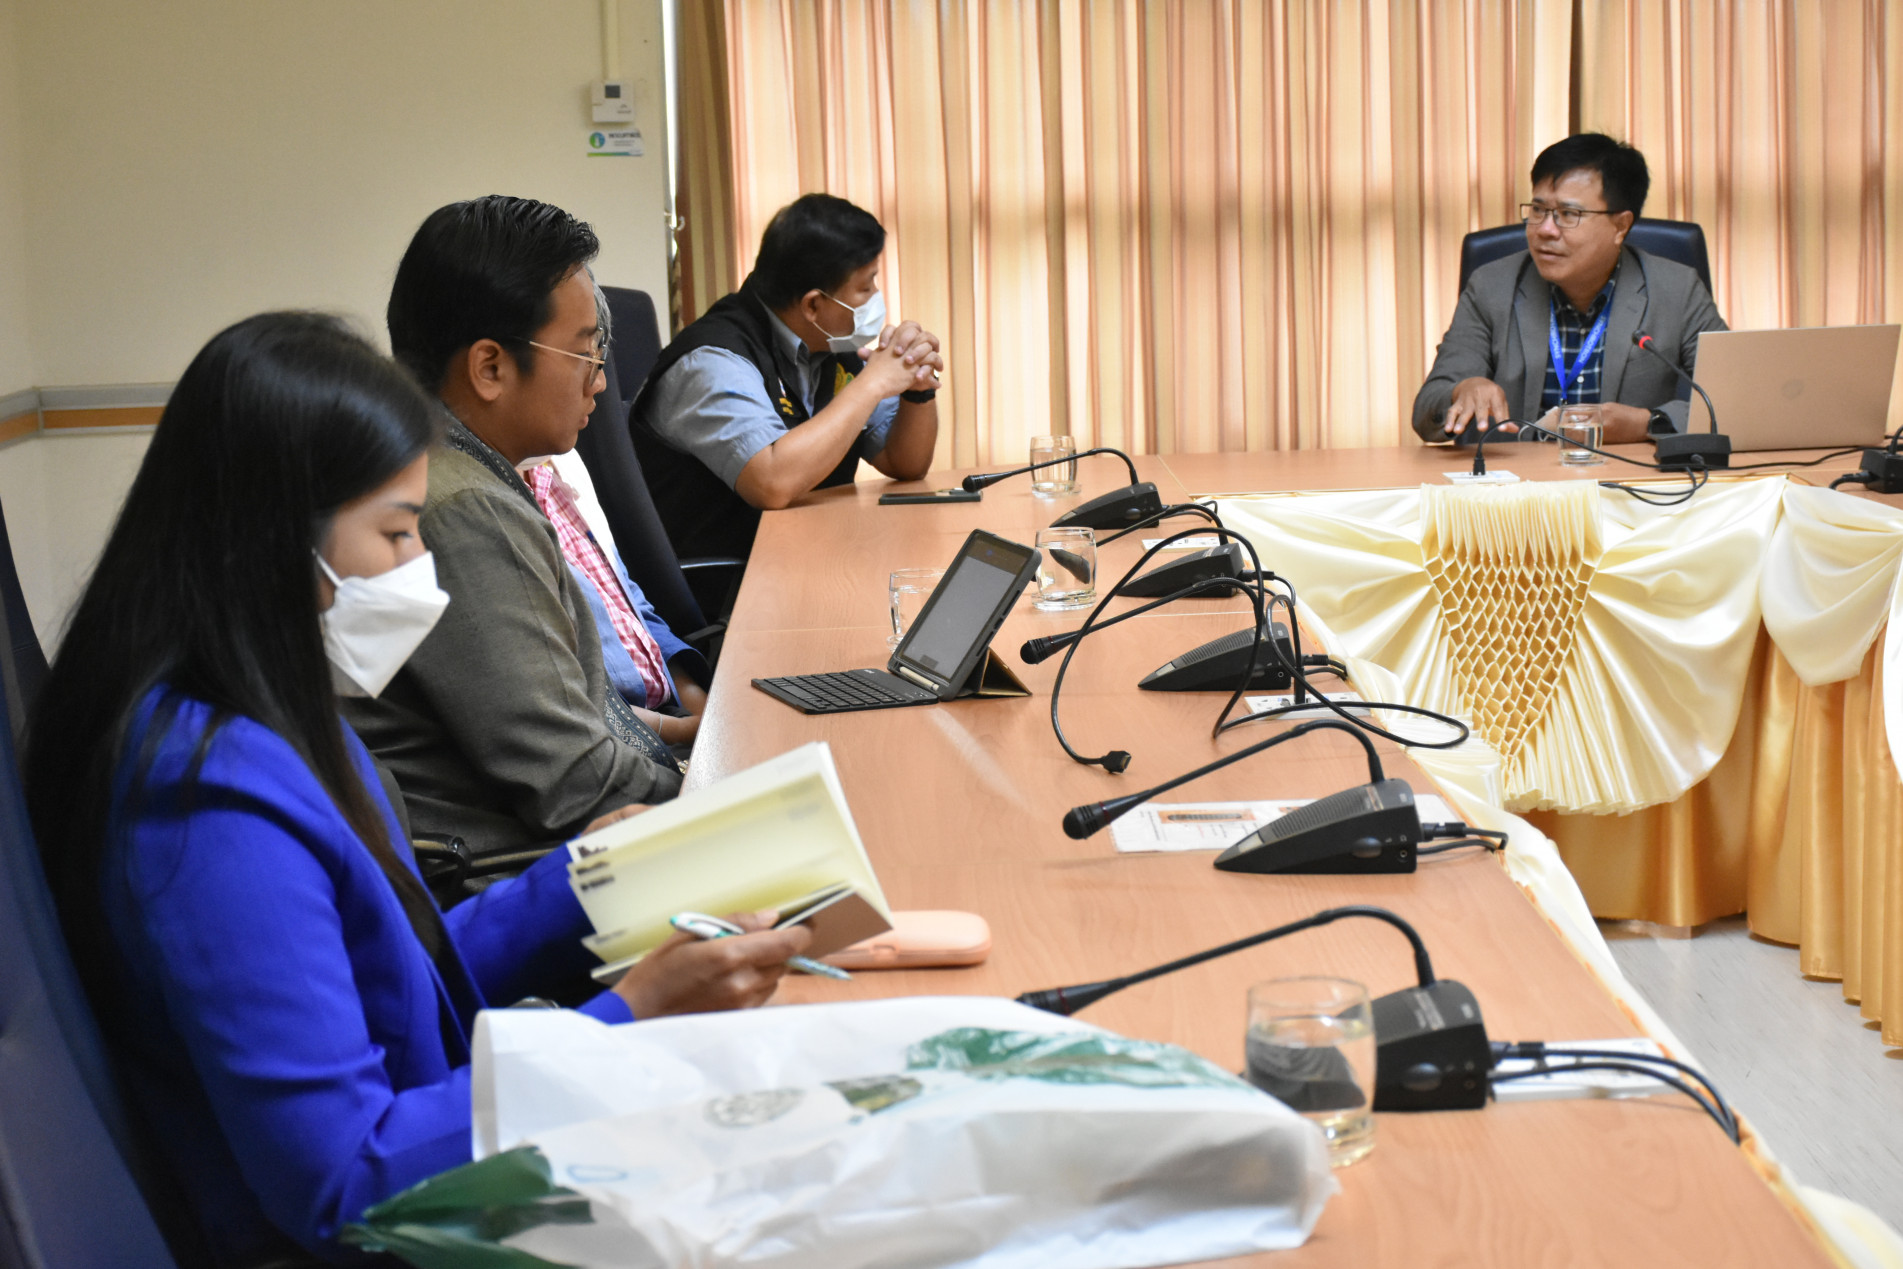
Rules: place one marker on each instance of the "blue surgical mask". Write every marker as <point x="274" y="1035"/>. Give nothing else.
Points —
<point x="868" y="322"/>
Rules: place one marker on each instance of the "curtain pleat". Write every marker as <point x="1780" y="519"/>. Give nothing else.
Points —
<point x="1776" y="125"/>
<point x="1166" y="225"/>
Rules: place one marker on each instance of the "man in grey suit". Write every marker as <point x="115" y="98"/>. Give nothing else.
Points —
<point x="1554" y="324"/>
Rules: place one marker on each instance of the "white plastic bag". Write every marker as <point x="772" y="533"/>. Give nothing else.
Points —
<point x="728" y="1139"/>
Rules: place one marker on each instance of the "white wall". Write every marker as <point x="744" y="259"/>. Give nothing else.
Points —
<point x="191" y="162"/>
<point x="16" y="356"/>
<point x="168" y="168"/>
<point x="62" y="492"/>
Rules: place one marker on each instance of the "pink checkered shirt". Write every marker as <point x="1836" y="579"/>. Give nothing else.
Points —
<point x="580" y="549"/>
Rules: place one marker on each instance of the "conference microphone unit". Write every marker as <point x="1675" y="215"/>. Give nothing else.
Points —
<point x="1217" y="666"/>
<point x="1680" y="451"/>
<point x="1370" y="828"/>
<point x="1430" y="1043"/>
<point x="1118" y="509"/>
<point x="1224" y="560"/>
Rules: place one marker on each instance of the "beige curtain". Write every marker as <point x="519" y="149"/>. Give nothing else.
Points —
<point x="1778" y="126"/>
<point x="1169" y="226"/>
<point x="704" y="181"/>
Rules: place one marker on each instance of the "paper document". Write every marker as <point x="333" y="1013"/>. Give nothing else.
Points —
<point x="1198" y="543"/>
<point x="1276" y="700"/>
<point x="1218" y="825"/>
<point x="762" y="838"/>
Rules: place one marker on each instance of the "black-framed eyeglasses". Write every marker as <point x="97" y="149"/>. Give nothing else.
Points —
<point x="1532" y="214"/>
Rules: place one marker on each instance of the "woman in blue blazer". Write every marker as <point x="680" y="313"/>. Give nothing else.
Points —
<point x="291" y="1010"/>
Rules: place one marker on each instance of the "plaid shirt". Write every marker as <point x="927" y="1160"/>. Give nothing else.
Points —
<point x="1573" y="326"/>
<point x="580" y="549"/>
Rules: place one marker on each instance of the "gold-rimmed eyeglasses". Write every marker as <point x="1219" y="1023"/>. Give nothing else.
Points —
<point x="598" y="360"/>
<point x="1533" y="214"/>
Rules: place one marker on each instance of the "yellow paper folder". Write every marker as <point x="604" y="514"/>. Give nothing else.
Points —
<point x="762" y="838"/>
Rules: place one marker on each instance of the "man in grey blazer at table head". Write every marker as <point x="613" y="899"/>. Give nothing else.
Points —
<point x="1554" y="324"/>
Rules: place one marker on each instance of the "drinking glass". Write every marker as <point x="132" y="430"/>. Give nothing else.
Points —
<point x="1066" y="568"/>
<point x="1311" y="1046"/>
<point x="1054" y="481"/>
<point x="910" y="588"/>
<point x="1580" y="426"/>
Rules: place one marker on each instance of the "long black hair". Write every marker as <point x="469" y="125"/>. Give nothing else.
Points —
<point x="208" y="586"/>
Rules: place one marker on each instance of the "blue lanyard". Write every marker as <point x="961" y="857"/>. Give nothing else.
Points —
<point x="1586" y="350"/>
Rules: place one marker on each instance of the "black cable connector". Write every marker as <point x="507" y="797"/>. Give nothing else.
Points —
<point x="1882" y="472"/>
<point x="1493" y="839"/>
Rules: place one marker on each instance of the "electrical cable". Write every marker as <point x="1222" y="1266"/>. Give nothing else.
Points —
<point x="1659" y="1059"/>
<point x="1206" y="510"/>
<point x="1262" y="600"/>
<point x="1810" y="462"/>
<point x="1632" y="1067"/>
<point x="1117" y="761"/>
<point x="1493" y="839"/>
<point x="1322" y="699"/>
<point x="1444" y="847"/>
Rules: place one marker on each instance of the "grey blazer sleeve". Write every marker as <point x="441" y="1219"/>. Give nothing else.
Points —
<point x="503" y="669"/>
<point x="1678" y="341"/>
<point x="1466" y="351"/>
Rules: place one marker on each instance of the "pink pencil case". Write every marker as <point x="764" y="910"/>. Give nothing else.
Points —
<point x="919" y="940"/>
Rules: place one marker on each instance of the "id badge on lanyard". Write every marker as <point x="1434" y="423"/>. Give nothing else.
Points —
<point x="1586" y="350"/>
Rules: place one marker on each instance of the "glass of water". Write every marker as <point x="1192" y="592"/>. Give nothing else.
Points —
<point x="1054" y="481"/>
<point x="1311" y="1046"/>
<point x="1580" y="429"/>
<point x="1066" y="568"/>
<point x="910" y="588"/>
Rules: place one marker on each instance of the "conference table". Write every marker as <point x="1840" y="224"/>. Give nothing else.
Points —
<point x="960" y="806"/>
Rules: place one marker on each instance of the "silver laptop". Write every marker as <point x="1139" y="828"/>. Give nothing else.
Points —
<point x="1820" y="387"/>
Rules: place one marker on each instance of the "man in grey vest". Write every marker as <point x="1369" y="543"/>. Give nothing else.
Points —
<point x="1553" y="324"/>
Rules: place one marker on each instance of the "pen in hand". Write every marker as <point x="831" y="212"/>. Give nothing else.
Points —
<point x="702" y="926"/>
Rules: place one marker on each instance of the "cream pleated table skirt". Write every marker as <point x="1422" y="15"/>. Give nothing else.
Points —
<point x="1700" y="704"/>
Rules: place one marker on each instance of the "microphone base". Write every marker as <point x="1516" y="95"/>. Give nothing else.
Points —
<point x="1369" y="828"/>
<point x="1118" y="509"/>
<point x="1430" y="1049"/>
<point x="1201" y="566"/>
<point x="1217" y="666"/>
<point x="1676" y="451"/>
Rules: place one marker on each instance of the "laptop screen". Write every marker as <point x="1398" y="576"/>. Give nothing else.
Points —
<point x="984" y="576"/>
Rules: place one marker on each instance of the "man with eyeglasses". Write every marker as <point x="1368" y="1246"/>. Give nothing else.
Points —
<point x="1553" y="325"/>
<point x="505" y="728"/>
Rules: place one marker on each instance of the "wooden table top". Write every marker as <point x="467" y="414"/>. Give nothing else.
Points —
<point x="960" y="806"/>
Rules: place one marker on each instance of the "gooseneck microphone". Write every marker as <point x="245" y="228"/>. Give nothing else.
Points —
<point x="1044" y="647"/>
<point x="1066" y="1001"/>
<point x="1431" y="1047"/>
<point x="1678" y="450"/>
<point x="983" y="480"/>
<point x="1118" y="509"/>
<point x="1082" y="821"/>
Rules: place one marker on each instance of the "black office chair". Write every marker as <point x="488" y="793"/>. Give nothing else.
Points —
<point x="637" y="343"/>
<point x="1679" y="240"/>
<point x="22" y="663"/>
<point x="680" y="589"/>
<point x="67" y="1193"/>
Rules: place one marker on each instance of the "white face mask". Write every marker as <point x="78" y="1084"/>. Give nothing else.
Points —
<point x="868" y="322"/>
<point x="375" y="623"/>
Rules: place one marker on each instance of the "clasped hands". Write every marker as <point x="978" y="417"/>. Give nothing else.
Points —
<point x="906" y="359"/>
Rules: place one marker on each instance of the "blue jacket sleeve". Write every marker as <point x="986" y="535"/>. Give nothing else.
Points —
<point x="521" y="935"/>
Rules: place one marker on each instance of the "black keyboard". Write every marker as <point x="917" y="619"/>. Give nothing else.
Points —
<point x="845" y="691"/>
